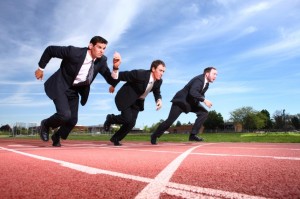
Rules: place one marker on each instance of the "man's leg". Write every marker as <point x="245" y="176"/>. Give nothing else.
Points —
<point x="127" y="119"/>
<point x="117" y="119"/>
<point x="67" y="127"/>
<point x="202" y="114"/>
<point x="63" y="114"/>
<point x="173" y="115"/>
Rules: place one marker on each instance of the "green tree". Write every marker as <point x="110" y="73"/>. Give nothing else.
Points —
<point x="249" y="118"/>
<point x="214" y="121"/>
<point x="296" y="122"/>
<point x="153" y="127"/>
<point x="254" y="121"/>
<point x="268" y="123"/>
<point x="178" y="123"/>
<point x="278" y="118"/>
<point x="239" y="115"/>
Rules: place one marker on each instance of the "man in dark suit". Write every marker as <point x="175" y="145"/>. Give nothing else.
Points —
<point x="188" y="100"/>
<point x="131" y="96"/>
<point x="78" y="68"/>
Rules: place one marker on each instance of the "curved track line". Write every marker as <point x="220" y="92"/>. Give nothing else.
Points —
<point x="176" y="189"/>
<point x="158" y="185"/>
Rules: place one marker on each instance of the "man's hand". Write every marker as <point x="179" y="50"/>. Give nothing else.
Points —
<point x="116" y="60"/>
<point x="158" y="104"/>
<point x="207" y="103"/>
<point x="39" y="74"/>
<point x="111" y="89"/>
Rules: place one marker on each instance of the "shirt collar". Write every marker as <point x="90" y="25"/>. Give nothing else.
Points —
<point x="88" y="57"/>
<point x="151" y="80"/>
<point x="205" y="81"/>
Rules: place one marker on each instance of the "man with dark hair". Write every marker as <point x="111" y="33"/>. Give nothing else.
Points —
<point x="78" y="69"/>
<point x="131" y="96"/>
<point x="188" y="100"/>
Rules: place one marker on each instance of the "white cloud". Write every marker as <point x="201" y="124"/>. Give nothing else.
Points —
<point x="250" y="42"/>
<point x="287" y="45"/>
<point x="253" y="9"/>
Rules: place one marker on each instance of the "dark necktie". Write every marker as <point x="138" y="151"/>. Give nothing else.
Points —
<point x="205" y="88"/>
<point x="90" y="75"/>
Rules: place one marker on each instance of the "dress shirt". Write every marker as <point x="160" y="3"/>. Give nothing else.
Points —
<point x="83" y="72"/>
<point x="149" y="87"/>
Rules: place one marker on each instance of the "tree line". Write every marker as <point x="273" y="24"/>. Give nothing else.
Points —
<point x="249" y="118"/>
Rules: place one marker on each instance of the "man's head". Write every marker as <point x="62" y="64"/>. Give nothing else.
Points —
<point x="157" y="68"/>
<point x="210" y="74"/>
<point x="97" y="46"/>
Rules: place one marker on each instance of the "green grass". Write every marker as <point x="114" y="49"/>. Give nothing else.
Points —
<point x="225" y="137"/>
<point x="208" y="137"/>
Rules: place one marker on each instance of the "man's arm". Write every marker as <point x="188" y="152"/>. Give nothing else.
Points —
<point x="195" y="91"/>
<point x="48" y="54"/>
<point x="157" y="95"/>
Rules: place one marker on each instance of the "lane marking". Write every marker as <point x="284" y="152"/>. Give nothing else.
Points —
<point x="180" y="190"/>
<point x="189" y="191"/>
<point x="81" y="168"/>
<point x="157" y="186"/>
<point x="248" y="156"/>
<point x="106" y="146"/>
<point x="257" y="148"/>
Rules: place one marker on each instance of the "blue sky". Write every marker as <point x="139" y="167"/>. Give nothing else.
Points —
<point x="255" y="45"/>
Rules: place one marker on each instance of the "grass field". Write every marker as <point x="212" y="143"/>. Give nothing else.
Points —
<point x="208" y="137"/>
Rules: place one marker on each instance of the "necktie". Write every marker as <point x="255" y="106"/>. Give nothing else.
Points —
<point x="205" y="88"/>
<point x="90" y="75"/>
<point x="148" y="89"/>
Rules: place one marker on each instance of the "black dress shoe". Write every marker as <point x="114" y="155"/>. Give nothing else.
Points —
<point x="56" y="140"/>
<point x="153" y="139"/>
<point x="115" y="141"/>
<point x="44" y="132"/>
<point x="107" y="123"/>
<point x="194" y="137"/>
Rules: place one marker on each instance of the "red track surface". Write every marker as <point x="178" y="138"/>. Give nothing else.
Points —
<point x="86" y="169"/>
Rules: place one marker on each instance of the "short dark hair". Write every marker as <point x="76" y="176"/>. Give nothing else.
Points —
<point x="98" y="39"/>
<point x="208" y="69"/>
<point x="156" y="63"/>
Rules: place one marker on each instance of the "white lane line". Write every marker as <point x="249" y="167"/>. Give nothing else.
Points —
<point x="81" y="168"/>
<point x="105" y="146"/>
<point x="259" y="148"/>
<point x="188" y="191"/>
<point x="248" y="156"/>
<point x="181" y="190"/>
<point x="158" y="185"/>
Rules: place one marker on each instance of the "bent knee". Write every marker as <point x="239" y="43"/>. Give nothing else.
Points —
<point x="65" y="116"/>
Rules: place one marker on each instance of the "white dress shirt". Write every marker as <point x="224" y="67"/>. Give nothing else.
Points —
<point x="149" y="87"/>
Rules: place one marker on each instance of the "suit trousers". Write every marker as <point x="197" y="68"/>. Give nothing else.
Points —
<point x="66" y="115"/>
<point x="175" y="112"/>
<point x="127" y="118"/>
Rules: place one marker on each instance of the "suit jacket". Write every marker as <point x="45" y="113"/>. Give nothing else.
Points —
<point x="189" y="97"/>
<point x="135" y="86"/>
<point x="72" y="60"/>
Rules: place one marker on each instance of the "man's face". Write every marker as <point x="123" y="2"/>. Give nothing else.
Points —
<point x="158" y="72"/>
<point x="97" y="50"/>
<point x="212" y="75"/>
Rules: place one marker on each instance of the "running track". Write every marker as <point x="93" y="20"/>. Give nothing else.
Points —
<point x="97" y="169"/>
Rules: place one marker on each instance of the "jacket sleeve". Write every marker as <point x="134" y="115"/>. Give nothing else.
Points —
<point x="61" y="52"/>
<point x="195" y="92"/>
<point x="106" y="73"/>
<point x="133" y="76"/>
<point x="156" y="90"/>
